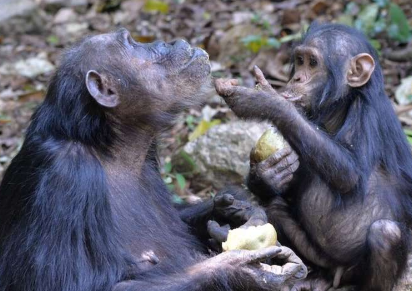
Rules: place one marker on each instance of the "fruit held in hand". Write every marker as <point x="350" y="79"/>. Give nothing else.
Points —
<point x="251" y="238"/>
<point x="269" y="143"/>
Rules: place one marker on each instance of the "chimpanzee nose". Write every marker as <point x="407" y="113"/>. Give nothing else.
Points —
<point x="125" y="35"/>
<point x="180" y="44"/>
<point x="299" y="77"/>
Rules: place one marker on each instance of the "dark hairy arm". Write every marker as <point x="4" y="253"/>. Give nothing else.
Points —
<point x="335" y="163"/>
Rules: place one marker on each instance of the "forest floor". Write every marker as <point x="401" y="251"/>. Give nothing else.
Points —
<point x="236" y="34"/>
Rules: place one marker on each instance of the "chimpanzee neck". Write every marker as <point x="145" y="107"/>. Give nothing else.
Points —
<point x="130" y="151"/>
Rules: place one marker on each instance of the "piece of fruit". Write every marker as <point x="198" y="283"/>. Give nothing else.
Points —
<point x="250" y="238"/>
<point x="269" y="143"/>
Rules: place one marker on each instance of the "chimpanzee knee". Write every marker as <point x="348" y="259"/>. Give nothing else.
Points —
<point x="387" y="255"/>
<point x="384" y="235"/>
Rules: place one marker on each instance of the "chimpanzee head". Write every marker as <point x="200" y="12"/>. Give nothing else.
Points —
<point x="135" y="82"/>
<point x="330" y="63"/>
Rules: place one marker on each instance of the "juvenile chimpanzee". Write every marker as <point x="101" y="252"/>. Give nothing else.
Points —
<point x="348" y="207"/>
<point x="83" y="206"/>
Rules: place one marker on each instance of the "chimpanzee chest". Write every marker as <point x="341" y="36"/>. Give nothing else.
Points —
<point x="339" y="230"/>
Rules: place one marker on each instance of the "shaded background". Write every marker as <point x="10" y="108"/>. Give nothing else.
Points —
<point x="207" y="147"/>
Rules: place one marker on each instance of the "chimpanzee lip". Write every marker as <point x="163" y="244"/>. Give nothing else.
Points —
<point x="291" y="97"/>
<point x="197" y="53"/>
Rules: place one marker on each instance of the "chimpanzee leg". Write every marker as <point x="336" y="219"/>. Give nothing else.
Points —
<point x="279" y="215"/>
<point x="388" y="254"/>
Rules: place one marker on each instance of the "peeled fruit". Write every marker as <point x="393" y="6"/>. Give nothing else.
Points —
<point x="251" y="238"/>
<point x="269" y="143"/>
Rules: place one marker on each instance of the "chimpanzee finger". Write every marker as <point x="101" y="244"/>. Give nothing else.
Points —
<point x="224" y="200"/>
<point x="263" y="254"/>
<point x="260" y="78"/>
<point x="286" y="163"/>
<point x="275" y="158"/>
<point x="225" y="87"/>
<point x="286" y="180"/>
<point x="216" y="231"/>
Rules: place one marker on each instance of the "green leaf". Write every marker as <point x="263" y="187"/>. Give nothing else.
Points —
<point x="254" y="42"/>
<point x="290" y="37"/>
<point x="409" y="139"/>
<point x="53" y="39"/>
<point x="189" y="160"/>
<point x="202" y="128"/>
<point x="156" y="6"/>
<point x="177" y="199"/>
<point x="408" y="132"/>
<point x="345" y="19"/>
<point x="168" y="180"/>
<point x="367" y="18"/>
<point x="273" y="42"/>
<point x="376" y="44"/>
<point x="181" y="181"/>
<point x="168" y="167"/>
<point x="399" y="28"/>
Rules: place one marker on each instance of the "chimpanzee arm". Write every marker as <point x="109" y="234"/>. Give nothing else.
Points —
<point x="335" y="163"/>
<point x="232" y="270"/>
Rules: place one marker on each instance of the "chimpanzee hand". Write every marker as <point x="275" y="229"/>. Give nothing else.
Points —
<point x="249" y="270"/>
<point x="259" y="102"/>
<point x="276" y="172"/>
<point x="234" y="212"/>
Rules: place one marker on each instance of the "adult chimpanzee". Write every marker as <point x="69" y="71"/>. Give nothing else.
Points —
<point x="348" y="206"/>
<point x="83" y="206"/>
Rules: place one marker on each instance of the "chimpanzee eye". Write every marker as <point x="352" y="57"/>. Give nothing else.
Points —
<point x="313" y="62"/>
<point x="299" y="60"/>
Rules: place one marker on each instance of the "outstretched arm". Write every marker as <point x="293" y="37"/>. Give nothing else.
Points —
<point x="335" y="163"/>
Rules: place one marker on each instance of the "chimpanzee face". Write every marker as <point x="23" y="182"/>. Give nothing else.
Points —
<point x="311" y="72"/>
<point x="309" y="76"/>
<point x="145" y="79"/>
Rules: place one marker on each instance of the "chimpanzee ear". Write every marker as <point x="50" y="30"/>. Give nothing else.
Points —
<point x="360" y="70"/>
<point x="100" y="90"/>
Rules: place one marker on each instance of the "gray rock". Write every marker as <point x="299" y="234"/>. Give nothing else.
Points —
<point x="222" y="154"/>
<point x="11" y="8"/>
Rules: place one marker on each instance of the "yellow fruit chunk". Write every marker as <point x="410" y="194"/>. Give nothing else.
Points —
<point x="251" y="238"/>
<point x="269" y="143"/>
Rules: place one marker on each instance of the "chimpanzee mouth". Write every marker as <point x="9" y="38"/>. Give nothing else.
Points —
<point x="291" y="97"/>
<point x="198" y="54"/>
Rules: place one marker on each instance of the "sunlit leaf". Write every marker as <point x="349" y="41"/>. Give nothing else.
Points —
<point x="202" y="128"/>
<point x="409" y="138"/>
<point x="254" y="42"/>
<point x="168" y="180"/>
<point x="156" y="6"/>
<point x="399" y="28"/>
<point x="181" y="181"/>
<point x="290" y="37"/>
<point x="408" y="132"/>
